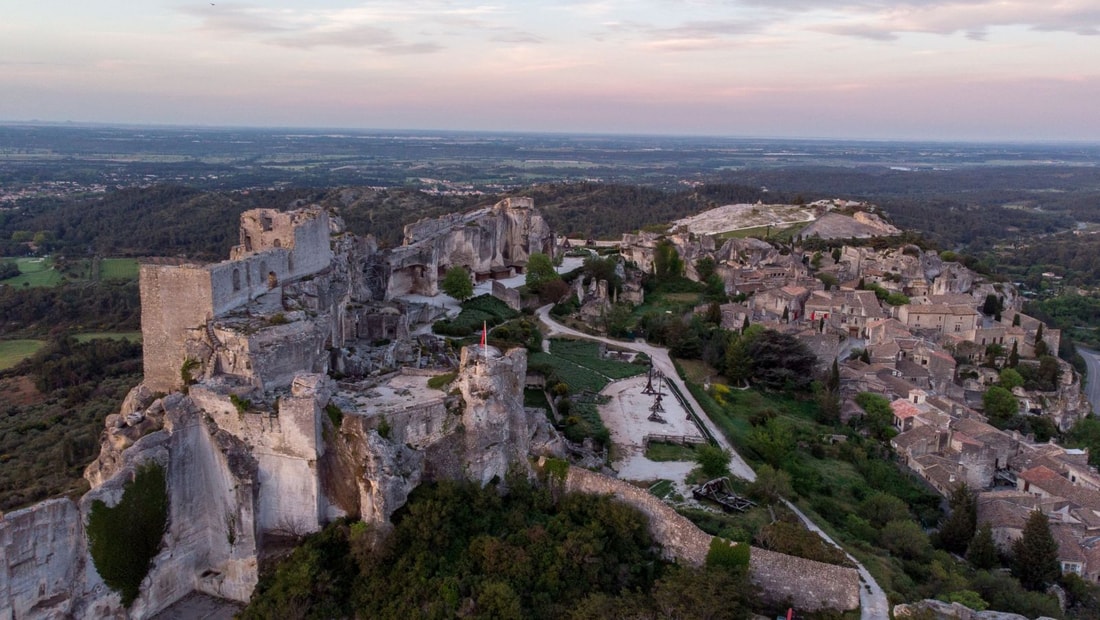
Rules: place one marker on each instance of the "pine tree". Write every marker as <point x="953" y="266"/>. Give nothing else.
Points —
<point x="833" y="382"/>
<point x="958" y="528"/>
<point x="745" y="324"/>
<point x="1035" y="554"/>
<point x="982" y="552"/>
<point x="1014" y="356"/>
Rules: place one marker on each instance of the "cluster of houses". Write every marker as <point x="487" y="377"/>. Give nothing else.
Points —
<point x="924" y="354"/>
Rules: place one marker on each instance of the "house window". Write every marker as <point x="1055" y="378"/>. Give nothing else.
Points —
<point x="958" y="327"/>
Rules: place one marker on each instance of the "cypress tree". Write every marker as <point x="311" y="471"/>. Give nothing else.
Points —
<point x="982" y="552"/>
<point x="958" y="528"/>
<point x="1035" y="554"/>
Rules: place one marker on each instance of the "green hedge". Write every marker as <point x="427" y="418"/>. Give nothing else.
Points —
<point x="124" y="539"/>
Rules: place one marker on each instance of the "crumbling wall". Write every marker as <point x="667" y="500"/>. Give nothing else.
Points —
<point x="805" y="584"/>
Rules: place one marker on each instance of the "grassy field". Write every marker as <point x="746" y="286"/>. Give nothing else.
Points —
<point x="86" y="336"/>
<point x="34" y="272"/>
<point x="14" y="351"/>
<point x="773" y="233"/>
<point x="578" y="364"/>
<point x="42" y="271"/>
<point x="659" y="451"/>
<point x="118" y="269"/>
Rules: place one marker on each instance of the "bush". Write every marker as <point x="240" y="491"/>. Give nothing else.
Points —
<point x="123" y="539"/>
<point x="732" y="557"/>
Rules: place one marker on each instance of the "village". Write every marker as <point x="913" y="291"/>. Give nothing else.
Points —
<point x="908" y="326"/>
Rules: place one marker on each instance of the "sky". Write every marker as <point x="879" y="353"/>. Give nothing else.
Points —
<point x="1000" y="70"/>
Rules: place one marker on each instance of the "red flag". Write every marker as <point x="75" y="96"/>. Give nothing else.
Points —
<point x="484" y="333"/>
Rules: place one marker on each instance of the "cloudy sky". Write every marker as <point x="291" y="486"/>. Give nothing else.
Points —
<point x="878" y="69"/>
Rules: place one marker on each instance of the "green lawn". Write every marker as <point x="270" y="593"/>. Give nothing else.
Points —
<point x="118" y="269"/>
<point x="660" y="451"/>
<point x="34" y="272"/>
<point x="14" y="351"/>
<point x="86" y="336"/>
<point x="578" y="364"/>
<point x="776" y="233"/>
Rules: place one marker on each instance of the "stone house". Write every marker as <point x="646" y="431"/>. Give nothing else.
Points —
<point x="959" y="320"/>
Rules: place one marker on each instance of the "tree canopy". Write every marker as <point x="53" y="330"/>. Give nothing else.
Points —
<point x="456" y="283"/>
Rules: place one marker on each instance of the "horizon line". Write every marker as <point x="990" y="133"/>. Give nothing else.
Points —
<point x="534" y="132"/>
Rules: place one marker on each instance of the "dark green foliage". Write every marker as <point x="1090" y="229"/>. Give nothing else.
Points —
<point x="1082" y="597"/>
<point x="781" y="361"/>
<point x="603" y="269"/>
<point x="456" y="283"/>
<point x="667" y="264"/>
<point x="771" y="485"/>
<point x="794" y="539"/>
<point x="540" y="271"/>
<point x="8" y="269"/>
<point x="440" y="382"/>
<point x="1035" y="554"/>
<point x="123" y="539"/>
<point x="992" y="305"/>
<point x="881" y="508"/>
<point x="314" y="582"/>
<point x="713" y="461"/>
<point x="1003" y="592"/>
<point x="457" y="546"/>
<point x="106" y="306"/>
<point x="335" y="414"/>
<point x="904" y="538"/>
<point x="958" y="528"/>
<point x="523" y="332"/>
<point x="999" y="404"/>
<point x="982" y="551"/>
<point x="476" y="312"/>
<point x="1086" y="434"/>
<point x="731" y="557"/>
<point x="48" y="439"/>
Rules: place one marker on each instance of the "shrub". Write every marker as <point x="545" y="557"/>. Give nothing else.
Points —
<point x="335" y="414"/>
<point x="241" y="404"/>
<point x="440" y="382"/>
<point x="123" y="540"/>
<point x="732" y="557"/>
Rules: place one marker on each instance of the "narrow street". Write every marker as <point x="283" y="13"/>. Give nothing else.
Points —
<point x="873" y="603"/>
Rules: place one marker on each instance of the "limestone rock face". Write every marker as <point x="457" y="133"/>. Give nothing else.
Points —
<point x="952" y="611"/>
<point x="41" y="558"/>
<point x="497" y="431"/>
<point x="498" y="239"/>
<point x="368" y="475"/>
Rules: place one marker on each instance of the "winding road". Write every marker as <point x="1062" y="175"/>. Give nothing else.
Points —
<point x="873" y="603"/>
<point x="1092" y="391"/>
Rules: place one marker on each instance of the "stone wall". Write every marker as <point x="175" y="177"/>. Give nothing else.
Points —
<point x="679" y="537"/>
<point x="509" y="296"/>
<point x="175" y="301"/>
<point x="782" y="579"/>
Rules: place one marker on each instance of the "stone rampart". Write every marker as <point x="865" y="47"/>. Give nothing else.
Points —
<point x="678" y="536"/>
<point x="805" y="584"/>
